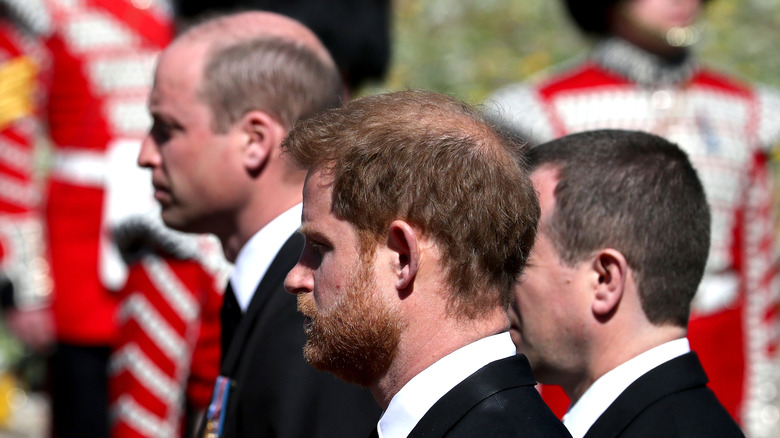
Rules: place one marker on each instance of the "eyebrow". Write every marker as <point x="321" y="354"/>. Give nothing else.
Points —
<point x="308" y="230"/>
<point x="163" y="117"/>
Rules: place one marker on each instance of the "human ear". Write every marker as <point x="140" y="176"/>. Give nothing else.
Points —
<point x="402" y="240"/>
<point x="260" y="134"/>
<point x="611" y="269"/>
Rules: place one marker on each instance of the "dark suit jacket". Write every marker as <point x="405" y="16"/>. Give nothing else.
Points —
<point x="277" y="394"/>
<point x="671" y="400"/>
<point x="499" y="400"/>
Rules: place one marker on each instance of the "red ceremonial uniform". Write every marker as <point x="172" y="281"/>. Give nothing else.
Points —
<point x="170" y="337"/>
<point x="22" y="65"/>
<point x="93" y="71"/>
<point x="103" y="53"/>
<point x="727" y="129"/>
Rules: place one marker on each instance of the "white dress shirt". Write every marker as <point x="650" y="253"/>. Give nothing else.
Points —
<point x="411" y="403"/>
<point x="256" y="256"/>
<point x="604" y="391"/>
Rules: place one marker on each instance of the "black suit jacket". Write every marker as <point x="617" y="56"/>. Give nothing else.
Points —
<point x="499" y="400"/>
<point x="671" y="400"/>
<point x="276" y="393"/>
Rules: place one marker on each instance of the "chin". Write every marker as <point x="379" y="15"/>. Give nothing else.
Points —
<point x="532" y="358"/>
<point x="177" y="222"/>
<point x="172" y="223"/>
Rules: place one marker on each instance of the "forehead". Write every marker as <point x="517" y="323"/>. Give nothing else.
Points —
<point x="179" y="72"/>
<point x="317" y="187"/>
<point x="545" y="179"/>
<point x="318" y="219"/>
<point x="317" y="199"/>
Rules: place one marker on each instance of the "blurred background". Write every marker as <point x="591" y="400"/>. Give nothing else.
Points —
<point x="469" y="48"/>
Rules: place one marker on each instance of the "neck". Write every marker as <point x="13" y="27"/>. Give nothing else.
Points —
<point x="614" y="351"/>
<point x="272" y="194"/>
<point x="651" y="42"/>
<point x="640" y="66"/>
<point x="426" y="341"/>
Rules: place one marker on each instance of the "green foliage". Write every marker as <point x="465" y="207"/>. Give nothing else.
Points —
<point x="742" y="37"/>
<point x="468" y="48"/>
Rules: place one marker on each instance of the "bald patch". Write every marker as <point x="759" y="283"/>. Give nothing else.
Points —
<point x="229" y="29"/>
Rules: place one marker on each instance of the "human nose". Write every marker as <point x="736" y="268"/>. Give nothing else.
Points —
<point x="149" y="155"/>
<point x="299" y="280"/>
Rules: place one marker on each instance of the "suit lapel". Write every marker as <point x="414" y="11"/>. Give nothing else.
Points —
<point x="678" y="374"/>
<point x="494" y="377"/>
<point x="282" y="264"/>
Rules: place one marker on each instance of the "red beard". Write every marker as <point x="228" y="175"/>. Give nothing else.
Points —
<point x="358" y="338"/>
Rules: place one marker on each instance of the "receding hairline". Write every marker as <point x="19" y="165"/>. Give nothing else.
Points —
<point x="460" y="119"/>
<point x="546" y="214"/>
<point x="231" y="29"/>
<point x="447" y="116"/>
<point x="420" y="111"/>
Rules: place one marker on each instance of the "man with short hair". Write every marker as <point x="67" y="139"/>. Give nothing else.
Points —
<point x="418" y="216"/>
<point x="643" y="75"/>
<point x="603" y="307"/>
<point x="225" y="94"/>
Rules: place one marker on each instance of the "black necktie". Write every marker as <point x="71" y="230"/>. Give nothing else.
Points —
<point x="230" y="317"/>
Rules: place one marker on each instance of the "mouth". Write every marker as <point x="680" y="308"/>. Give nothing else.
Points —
<point x="162" y="198"/>
<point x="306" y="309"/>
<point x="161" y="193"/>
<point x="308" y="325"/>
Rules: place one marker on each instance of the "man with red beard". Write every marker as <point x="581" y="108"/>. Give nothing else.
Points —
<point x="418" y="216"/>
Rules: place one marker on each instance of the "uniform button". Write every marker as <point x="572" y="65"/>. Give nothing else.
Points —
<point x="662" y="99"/>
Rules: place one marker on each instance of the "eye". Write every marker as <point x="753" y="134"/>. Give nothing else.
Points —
<point x="161" y="131"/>
<point x="316" y="246"/>
<point x="313" y="253"/>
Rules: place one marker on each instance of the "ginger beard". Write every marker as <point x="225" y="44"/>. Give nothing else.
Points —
<point x="357" y="339"/>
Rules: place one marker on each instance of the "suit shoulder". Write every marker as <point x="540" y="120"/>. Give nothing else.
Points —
<point x="695" y="412"/>
<point x="513" y="412"/>
<point x="722" y="82"/>
<point x="585" y="75"/>
<point x="531" y="110"/>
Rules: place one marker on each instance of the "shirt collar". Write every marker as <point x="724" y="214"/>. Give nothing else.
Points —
<point x="259" y="252"/>
<point x="604" y="391"/>
<point x="642" y="67"/>
<point x="411" y="403"/>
